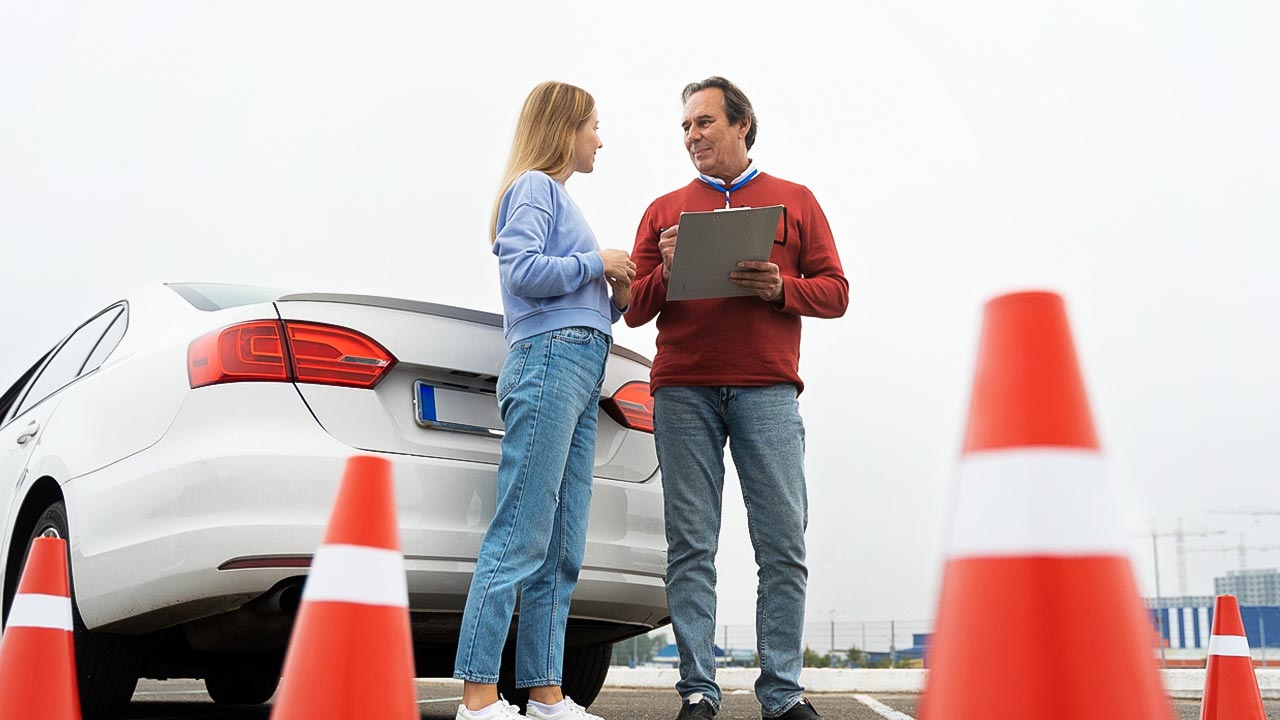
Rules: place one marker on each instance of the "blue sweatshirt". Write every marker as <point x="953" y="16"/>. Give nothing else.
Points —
<point x="548" y="260"/>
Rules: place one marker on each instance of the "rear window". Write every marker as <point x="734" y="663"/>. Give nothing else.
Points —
<point x="215" y="296"/>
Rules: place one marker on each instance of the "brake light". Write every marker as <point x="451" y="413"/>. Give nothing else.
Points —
<point x="332" y="355"/>
<point x="631" y="406"/>
<point x="275" y="351"/>
<point x="247" y="352"/>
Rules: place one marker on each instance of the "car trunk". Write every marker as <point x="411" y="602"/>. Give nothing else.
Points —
<point x="438" y="400"/>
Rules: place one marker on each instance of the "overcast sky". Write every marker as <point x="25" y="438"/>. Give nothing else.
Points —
<point x="1123" y="153"/>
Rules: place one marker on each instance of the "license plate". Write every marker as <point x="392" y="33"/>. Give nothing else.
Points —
<point x="442" y="408"/>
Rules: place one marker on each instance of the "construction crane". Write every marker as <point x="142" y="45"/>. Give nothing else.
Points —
<point x="1180" y="536"/>
<point x="1242" y="548"/>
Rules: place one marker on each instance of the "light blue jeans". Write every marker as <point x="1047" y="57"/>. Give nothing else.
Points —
<point x="766" y="437"/>
<point x="548" y="393"/>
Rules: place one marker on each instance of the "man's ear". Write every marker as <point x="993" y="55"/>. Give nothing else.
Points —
<point x="744" y="128"/>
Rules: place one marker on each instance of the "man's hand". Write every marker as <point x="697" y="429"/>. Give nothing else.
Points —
<point x="762" y="278"/>
<point x="667" y="246"/>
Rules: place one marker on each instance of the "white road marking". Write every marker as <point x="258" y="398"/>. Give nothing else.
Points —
<point x="881" y="709"/>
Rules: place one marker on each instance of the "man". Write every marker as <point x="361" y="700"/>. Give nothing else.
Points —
<point x="726" y="369"/>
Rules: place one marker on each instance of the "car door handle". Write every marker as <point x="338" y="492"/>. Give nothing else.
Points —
<point x="28" y="432"/>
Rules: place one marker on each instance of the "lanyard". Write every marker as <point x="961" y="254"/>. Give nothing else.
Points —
<point x="730" y="189"/>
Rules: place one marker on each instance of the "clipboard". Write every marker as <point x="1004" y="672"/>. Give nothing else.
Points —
<point x="710" y="246"/>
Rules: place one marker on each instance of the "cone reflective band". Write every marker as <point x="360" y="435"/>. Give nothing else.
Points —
<point x="351" y="654"/>
<point x="37" y="650"/>
<point x="1230" y="685"/>
<point x="355" y="574"/>
<point x="1039" y="615"/>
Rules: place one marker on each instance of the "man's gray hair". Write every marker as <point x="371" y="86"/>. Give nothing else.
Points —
<point x="737" y="108"/>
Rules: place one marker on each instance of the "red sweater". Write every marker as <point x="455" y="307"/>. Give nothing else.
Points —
<point x="742" y="341"/>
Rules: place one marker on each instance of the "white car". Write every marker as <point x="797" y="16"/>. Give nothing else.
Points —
<point x="188" y="441"/>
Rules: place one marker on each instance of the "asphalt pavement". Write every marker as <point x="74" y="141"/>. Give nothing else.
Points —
<point x="186" y="700"/>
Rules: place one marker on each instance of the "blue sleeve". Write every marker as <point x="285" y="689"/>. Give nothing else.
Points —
<point x="525" y="247"/>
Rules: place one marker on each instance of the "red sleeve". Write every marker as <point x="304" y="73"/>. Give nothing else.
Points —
<point x="821" y="290"/>
<point x="648" y="290"/>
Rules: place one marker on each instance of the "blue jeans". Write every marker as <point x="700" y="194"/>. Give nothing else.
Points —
<point x="548" y="393"/>
<point x="766" y="438"/>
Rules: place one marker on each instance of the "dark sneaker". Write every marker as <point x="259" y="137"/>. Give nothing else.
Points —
<point x="704" y="710"/>
<point x="802" y="710"/>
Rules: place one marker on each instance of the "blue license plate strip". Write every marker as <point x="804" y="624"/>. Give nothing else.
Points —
<point x="434" y="407"/>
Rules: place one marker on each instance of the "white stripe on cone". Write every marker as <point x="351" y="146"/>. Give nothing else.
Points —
<point x="1035" y="501"/>
<point x="357" y="574"/>
<point x="40" y="611"/>
<point x="1229" y="645"/>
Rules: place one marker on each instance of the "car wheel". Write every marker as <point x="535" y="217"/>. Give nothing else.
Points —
<point x="241" y="687"/>
<point x="107" y="665"/>
<point x="585" y="669"/>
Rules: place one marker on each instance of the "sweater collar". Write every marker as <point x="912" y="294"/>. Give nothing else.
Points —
<point x="719" y="185"/>
<point x="738" y="182"/>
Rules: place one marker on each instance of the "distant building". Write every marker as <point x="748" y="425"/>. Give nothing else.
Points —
<point x="1251" y="587"/>
<point x="670" y="655"/>
<point x="1186" y="622"/>
<point x="916" y="653"/>
<point x="1184" y="601"/>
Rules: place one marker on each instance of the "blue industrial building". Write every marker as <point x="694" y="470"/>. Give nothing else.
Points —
<point x="1189" y="625"/>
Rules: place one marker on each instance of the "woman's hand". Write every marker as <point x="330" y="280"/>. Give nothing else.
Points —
<point x="619" y="271"/>
<point x="621" y="292"/>
<point x="617" y="265"/>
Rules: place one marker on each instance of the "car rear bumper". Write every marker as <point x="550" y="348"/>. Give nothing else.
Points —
<point x="213" y="516"/>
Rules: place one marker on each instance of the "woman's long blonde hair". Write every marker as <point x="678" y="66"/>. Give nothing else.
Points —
<point x="551" y="116"/>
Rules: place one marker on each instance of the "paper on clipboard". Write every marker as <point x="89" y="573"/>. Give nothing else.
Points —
<point x="710" y="246"/>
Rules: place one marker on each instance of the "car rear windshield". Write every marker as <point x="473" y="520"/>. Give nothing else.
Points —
<point x="215" y="296"/>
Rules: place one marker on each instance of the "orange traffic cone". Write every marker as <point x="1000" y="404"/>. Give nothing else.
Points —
<point x="1039" y="614"/>
<point x="37" y="652"/>
<point x="351" y="655"/>
<point x="1230" y="685"/>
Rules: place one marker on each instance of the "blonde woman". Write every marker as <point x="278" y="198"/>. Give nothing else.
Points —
<point x="558" y="310"/>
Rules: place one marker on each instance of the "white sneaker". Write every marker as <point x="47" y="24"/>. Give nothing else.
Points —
<point x="570" y="711"/>
<point x="497" y="711"/>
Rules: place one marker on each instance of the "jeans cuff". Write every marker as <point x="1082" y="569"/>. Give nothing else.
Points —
<point x="545" y="682"/>
<point x="790" y="704"/>
<point x="473" y="678"/>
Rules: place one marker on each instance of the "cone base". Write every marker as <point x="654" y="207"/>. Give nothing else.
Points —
<point x="38" y="675"/>
<point x="1231" y="690"/>
<point x="1049" y="638"/>
<point x="349" y="661"/>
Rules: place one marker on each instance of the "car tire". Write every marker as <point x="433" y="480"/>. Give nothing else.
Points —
<point x="585" y="669"/>
<point x="241" y="687"/>
<point x="107" y="665"/>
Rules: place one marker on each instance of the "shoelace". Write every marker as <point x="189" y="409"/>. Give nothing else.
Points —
<point x="577" y="710"/>
<point x="509" y="710"/>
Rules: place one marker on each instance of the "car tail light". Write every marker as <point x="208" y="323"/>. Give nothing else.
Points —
<point x="245" y="352"/>
<point x="289" y="351"/>
<point x="332" y="355"/>
<point x="631" y="406"/>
